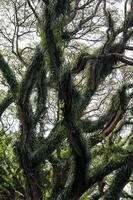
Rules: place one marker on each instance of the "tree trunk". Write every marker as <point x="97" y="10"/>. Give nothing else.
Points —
<point x="32" y="176"/>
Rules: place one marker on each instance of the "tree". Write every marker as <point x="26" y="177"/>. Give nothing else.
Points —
<point x="67" y="71"/>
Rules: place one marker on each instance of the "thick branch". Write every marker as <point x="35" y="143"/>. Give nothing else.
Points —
<point x="5" y="103"/>
<point x="30" y="76"/>
<point x="53" y="50"/>
<point x="9" y="76"/>
<point x="105" y="170"/>
<point x="69" y="96"/>
<point x="115" y="107"/>
<point x="118" y="183"/>
<point x="50" y="144"/>
<point x="25" y="110"/>
<point x="42" y="94"/>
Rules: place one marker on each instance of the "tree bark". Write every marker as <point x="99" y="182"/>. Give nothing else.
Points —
<point x="32" y="176"/>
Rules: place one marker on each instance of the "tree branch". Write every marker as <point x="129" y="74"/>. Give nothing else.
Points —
<point x="9" y="76"/>
<point x="5" y="103"/>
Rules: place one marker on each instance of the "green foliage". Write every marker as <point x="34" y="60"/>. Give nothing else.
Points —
<point x="11" y="176"/>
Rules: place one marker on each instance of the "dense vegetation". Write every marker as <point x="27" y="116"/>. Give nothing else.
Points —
<point x="66" y="101"/>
